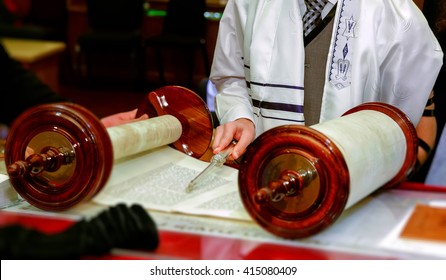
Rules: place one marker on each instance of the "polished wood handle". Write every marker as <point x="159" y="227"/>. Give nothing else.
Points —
<point x="296" y="181"/>
<point x="50" y="159"/>
<point x="291" y="183"/>
<point x="73" y="153"/>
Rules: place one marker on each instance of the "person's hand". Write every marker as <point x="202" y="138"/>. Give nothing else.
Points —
<point x="122" y="118"/>
<point x="241" y="130"/>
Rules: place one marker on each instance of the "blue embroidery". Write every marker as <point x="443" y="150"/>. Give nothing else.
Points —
<point x="349" y="31"/>
<point x="340" y="67"/>
<point x="345" y="50"/>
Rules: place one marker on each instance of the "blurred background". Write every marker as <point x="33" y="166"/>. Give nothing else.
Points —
<point x="106" y="54"/>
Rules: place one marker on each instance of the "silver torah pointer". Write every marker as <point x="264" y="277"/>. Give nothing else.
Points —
<point x="216" y="161"/>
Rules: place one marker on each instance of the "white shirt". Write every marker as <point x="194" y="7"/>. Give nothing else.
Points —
<point x="259" y="60"/>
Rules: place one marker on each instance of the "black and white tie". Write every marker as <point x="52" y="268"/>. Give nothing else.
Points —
<point x="312" y="16"/>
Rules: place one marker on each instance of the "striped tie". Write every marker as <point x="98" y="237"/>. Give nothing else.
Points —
<point x="313" y="15"/>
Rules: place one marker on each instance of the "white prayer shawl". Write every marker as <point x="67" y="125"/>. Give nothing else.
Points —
<point x="380" y="51"/>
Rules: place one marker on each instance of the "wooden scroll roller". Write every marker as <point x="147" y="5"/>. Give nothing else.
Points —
<point x="296" y="181"/>
<point x="72" y="153"/>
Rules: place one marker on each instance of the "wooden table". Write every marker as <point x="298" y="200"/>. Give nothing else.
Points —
<point x="41" y="57"/>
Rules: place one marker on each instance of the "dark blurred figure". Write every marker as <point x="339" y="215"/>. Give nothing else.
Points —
<point x="24" y="90"/>
<point x="435" y="12"/>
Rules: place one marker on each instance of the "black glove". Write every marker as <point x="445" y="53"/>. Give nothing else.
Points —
<point x="119" y="226"/>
